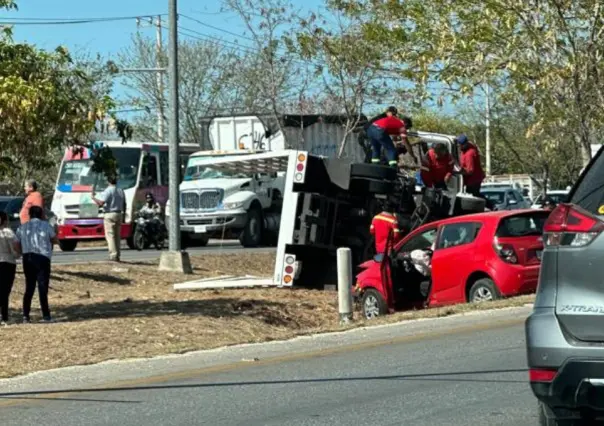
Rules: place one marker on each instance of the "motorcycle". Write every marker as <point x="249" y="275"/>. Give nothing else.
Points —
<point x="146" y="232"/>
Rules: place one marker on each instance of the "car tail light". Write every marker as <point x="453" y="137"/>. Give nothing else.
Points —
<point x="542" y="375"/>
<point x="570" y="225"/>
<point x="505" y="251"/>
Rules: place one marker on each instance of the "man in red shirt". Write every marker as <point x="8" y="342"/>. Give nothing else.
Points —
<point x="381" y="226"/>
<point x="471" y="169"/>
<point x="437" y="167"/>
<point x="380" y="134"/>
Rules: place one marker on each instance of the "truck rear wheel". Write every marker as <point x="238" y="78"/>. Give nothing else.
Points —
<point x="68" y="245"/>
<point x="251" y="236"/>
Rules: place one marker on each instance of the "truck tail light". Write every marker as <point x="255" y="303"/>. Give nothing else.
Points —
<point x="289" y="270"/>
<point x="300" y="172"/>
<point x="505" y="251"/>
<point x="571" y="226"/>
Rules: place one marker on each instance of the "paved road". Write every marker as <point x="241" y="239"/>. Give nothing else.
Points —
<point x="468" y="371"/>
<point x="99" y="254"/>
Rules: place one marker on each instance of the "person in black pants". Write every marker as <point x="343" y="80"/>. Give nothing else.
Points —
<point x="34" y="240"/>
<point x="8" y="266"/>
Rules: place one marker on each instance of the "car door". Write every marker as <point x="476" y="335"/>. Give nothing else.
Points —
<point x="452" y="262"/>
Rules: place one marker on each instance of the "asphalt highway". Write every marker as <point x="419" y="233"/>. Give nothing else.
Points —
<point x="99" y="254"/>
<point x="454" y="372"/>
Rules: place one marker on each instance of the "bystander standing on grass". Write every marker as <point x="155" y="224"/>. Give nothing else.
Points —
<point x="34" y="240"/>
<point x="8" y="266"/>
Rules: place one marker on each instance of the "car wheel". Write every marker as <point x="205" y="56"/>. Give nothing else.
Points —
<point x="68" y="245"/>
<point x="252" y="233"/>
<point x="483" y="290"/>
<point x="372" y="171"/>
<point x="373" y="304"/>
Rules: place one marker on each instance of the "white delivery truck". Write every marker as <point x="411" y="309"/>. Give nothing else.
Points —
<point x="327" y="203"/>
<point x="246" y="204"/>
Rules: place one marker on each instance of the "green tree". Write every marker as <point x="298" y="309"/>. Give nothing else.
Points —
<point x="48" y="101"/>
<point x="545" y="54"/>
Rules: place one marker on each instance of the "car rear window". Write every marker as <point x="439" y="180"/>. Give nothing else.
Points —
<point x="522" y="225"/>
<point x="588" y="192"/>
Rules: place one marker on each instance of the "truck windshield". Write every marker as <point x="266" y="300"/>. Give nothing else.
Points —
<point x="205" y="172"/>
<point x="77" y="175"/>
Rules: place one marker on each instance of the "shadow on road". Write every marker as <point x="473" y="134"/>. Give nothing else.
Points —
<point x="265" y="310"/>
<point x="440" y="377"/>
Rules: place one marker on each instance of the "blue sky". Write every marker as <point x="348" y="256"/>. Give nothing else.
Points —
<point x="109" y="38"/>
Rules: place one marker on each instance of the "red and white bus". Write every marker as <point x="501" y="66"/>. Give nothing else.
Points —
<point x="142" y="168"/>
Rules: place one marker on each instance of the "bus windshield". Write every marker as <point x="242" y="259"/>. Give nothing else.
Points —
<point x="77" y="175"/>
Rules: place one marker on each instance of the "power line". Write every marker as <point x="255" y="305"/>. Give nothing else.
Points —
<point x="75" y="21"/>
<point x="216" y="28"/>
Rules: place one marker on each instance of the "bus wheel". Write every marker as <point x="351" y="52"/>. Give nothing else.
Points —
<point x="68" y="245"/>
<point x="130" y="242"/>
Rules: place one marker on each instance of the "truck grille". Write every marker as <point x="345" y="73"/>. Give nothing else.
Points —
<point x="203" y="200"/>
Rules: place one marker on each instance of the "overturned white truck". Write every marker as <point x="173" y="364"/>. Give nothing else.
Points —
<point x="327" y="203"/>
<point x="246" y="204"/>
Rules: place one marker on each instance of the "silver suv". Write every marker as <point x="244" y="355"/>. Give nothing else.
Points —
<point x="565" y="332"/>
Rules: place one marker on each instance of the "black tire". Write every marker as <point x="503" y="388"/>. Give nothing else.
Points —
<point x="185" y="241"/>
<point x="483" y="290"/>
<point x="471" y="204"/>
<point x="251" y="236"/>
<point x="373" y="304"/>
<point x="203" y="241"/>
<point x="160" y="243"/>
<point x="372" y="171"/>
<point x="68" y="245"/>
<point x="130" y="242"/>
<point x="139" y="240"/>
<point x="371" y="186"/>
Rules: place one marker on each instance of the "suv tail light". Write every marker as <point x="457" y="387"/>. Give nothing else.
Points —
<point x="570" y="225"/>
<point x="505" y="251"/>
<point x="543" y="375"/>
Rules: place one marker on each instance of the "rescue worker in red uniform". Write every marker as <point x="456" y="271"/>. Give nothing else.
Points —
<point x="382" y="225"/>
<point x="437" y="167"/>
<point x="380" y="133"/>
<point x="471" y="168"/>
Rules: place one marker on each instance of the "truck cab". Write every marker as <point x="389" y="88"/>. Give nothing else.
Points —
<point x="240" y="203"/>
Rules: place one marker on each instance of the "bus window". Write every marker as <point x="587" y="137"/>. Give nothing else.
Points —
<point x="149" y="172"/>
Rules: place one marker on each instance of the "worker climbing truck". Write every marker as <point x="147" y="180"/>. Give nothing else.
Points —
<point x="328" y="203"/>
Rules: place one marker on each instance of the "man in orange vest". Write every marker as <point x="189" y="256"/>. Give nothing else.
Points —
<point x="382" y="225"/>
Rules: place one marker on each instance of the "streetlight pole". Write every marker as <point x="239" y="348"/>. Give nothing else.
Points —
<point x="174" y="259"/>
<point x="488" y="130"/>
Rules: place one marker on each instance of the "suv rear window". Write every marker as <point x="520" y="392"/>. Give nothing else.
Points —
<point x="522" y="225"/>
<point x="588" y="193"/>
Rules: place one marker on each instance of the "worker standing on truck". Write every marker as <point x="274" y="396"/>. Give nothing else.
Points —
<point x="437" y="167"/>
<point x="382" y="225"/>
<point x="380" y="132"/>
<point x="471" y="169"/>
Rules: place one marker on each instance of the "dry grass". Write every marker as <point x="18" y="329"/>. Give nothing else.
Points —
<point x="106" y="314"/>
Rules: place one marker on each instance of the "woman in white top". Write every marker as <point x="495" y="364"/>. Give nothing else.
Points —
<point x="8" y="265"/>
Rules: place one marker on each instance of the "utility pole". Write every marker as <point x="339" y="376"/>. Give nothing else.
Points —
<point x="488" y="129"/>
<point x="160" y="82"/>
<point x="174" y="259"/>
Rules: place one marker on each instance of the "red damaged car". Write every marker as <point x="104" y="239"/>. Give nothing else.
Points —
<point x="472" y="258"/>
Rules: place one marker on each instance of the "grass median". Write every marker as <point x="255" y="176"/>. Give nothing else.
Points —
<point x="104" y="312"/>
